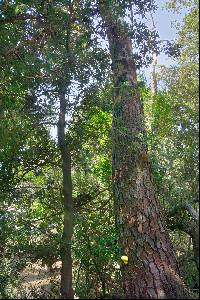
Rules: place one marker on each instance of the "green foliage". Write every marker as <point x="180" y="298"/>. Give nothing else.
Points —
<point x="176" y="5"/>
<point x="35" y="60"/>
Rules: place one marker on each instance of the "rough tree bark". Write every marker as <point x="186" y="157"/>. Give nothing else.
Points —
<point x="152" y="271"/>
<point x="66" y="270"/>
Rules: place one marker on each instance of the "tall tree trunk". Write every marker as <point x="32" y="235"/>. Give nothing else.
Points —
<point x="65" y="247"/>
<point x="66" y="271"/>
<point x="151" y="272"/>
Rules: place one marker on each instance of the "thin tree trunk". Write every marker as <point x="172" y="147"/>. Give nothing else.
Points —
<point x="193" y="230"/>
<point x="66" y="271"/>
<point x="151" y="272"/>
<point x="154" y="85"/>
<point x="65" y="247"/>
<point x="153" y="77"/>
<point x="195" y="243"/>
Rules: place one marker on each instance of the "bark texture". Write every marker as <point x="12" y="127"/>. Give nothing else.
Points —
<point x="152" y="272"/>
<point x="66" y="271"/>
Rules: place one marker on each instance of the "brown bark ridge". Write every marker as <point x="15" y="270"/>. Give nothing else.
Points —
<point x="65" y="251"/>
<point x="152" y="271"/>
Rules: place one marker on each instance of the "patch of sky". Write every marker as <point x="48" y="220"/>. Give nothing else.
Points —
<point x="165" y="23"/>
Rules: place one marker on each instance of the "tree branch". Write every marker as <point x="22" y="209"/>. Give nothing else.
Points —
<point x="21" y="17"/>
<point x="194" y="214"/>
